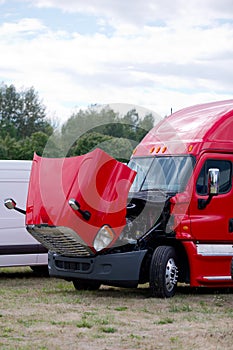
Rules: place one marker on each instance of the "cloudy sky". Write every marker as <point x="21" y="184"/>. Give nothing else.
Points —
<point x="157" y="54"/>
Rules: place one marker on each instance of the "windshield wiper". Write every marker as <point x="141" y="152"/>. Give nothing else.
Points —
<point x="153" y="190"/>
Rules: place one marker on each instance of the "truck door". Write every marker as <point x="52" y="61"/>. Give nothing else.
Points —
<point x="212" y="226"/>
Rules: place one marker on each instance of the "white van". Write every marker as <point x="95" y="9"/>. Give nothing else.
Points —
<point x="17" y="246"/>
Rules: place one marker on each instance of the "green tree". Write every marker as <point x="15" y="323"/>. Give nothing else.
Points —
<point x="96" y="121"/>
<point x="21" y="113"/>
<point x="144" y="125"/>
<point x="88" y="142"/>
<point x="116" y="147"/>
<point x="8" y="147"/>
<point x="35" y="143"/>
<point x="24" y="127"/>
<point x="82" y="122"/>
<point x="119" y="148"/>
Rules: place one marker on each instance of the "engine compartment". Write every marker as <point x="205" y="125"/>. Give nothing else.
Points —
<point x="145" y="210"/>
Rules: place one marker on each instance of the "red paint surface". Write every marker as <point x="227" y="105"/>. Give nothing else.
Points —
<point x="200" y="126"/>
<point x="97" y="181"/>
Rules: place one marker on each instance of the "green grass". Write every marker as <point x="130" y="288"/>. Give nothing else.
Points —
<point x="84" y="324"/>
<point x="121" y="308"/>
<point x="108" y="329"/>
<point x="166" y="320"/>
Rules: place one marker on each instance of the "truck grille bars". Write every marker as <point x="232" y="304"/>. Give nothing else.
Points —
<point x="59" y="239"/>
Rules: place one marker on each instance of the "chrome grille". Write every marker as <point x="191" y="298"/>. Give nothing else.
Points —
<point x="59" y="239"/>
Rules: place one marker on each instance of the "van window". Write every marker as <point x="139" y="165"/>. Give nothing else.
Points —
<point x="225" y="168"/>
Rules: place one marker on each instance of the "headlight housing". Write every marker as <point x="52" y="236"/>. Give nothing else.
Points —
<point x="103" y="238"/>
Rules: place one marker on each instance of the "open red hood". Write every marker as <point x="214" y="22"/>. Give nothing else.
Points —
<point x="99" y="183"/>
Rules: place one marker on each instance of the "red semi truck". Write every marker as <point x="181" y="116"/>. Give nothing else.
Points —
<point x="165" y="218"/>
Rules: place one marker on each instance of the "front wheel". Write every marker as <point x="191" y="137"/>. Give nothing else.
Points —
<point x="80" y="284"/>
<point x="163" y="272"/>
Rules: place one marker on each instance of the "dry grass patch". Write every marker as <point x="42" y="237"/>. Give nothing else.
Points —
<point x="46" y="313"/>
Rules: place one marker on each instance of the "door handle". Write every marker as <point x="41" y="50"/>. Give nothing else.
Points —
<point x="230" y="227"/>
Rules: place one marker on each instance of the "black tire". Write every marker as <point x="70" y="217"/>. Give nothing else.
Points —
<point x="86" y="284"/>
<point x="163" y="272"/>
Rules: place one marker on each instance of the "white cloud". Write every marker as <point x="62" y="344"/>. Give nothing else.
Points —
<point x="143" y="62"/>
<point x="29" y="26"/>
<point x="140" y="11"/>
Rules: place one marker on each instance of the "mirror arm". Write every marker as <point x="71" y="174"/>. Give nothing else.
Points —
<point x="202" y="203"/>
<point x="22" y="211"/>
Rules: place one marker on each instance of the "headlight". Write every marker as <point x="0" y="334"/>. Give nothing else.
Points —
<point x="103" y="238"/>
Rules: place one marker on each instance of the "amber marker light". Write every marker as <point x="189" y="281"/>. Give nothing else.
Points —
<point x="164" y="149"/>
<point x="190" y="148"/>
<point x="152" y="149"/>
<point x="158" y="149"/>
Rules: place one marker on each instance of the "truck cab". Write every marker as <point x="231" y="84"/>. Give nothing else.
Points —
<point x="165" y="218"/>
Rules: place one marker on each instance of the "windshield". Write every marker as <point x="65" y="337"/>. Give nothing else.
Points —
<point x="169" y="174"/>
<point x="141" y="166"/>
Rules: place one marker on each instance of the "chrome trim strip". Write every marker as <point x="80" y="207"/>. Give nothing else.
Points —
<point x="215" y="249"/>
<point x="215" y="278"/>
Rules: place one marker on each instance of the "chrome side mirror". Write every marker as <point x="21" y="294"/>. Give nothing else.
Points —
<point x="213" y="181"/>
<point x="213" y="187"/>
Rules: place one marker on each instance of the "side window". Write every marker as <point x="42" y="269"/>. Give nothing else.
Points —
<point x="225" y="168"/>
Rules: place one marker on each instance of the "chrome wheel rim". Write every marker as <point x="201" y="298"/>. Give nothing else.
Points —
<point x="171" y="274"/>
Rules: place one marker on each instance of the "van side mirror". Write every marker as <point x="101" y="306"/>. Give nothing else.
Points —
<point x="213" y="187"/>
<point x="11" y="204"/>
